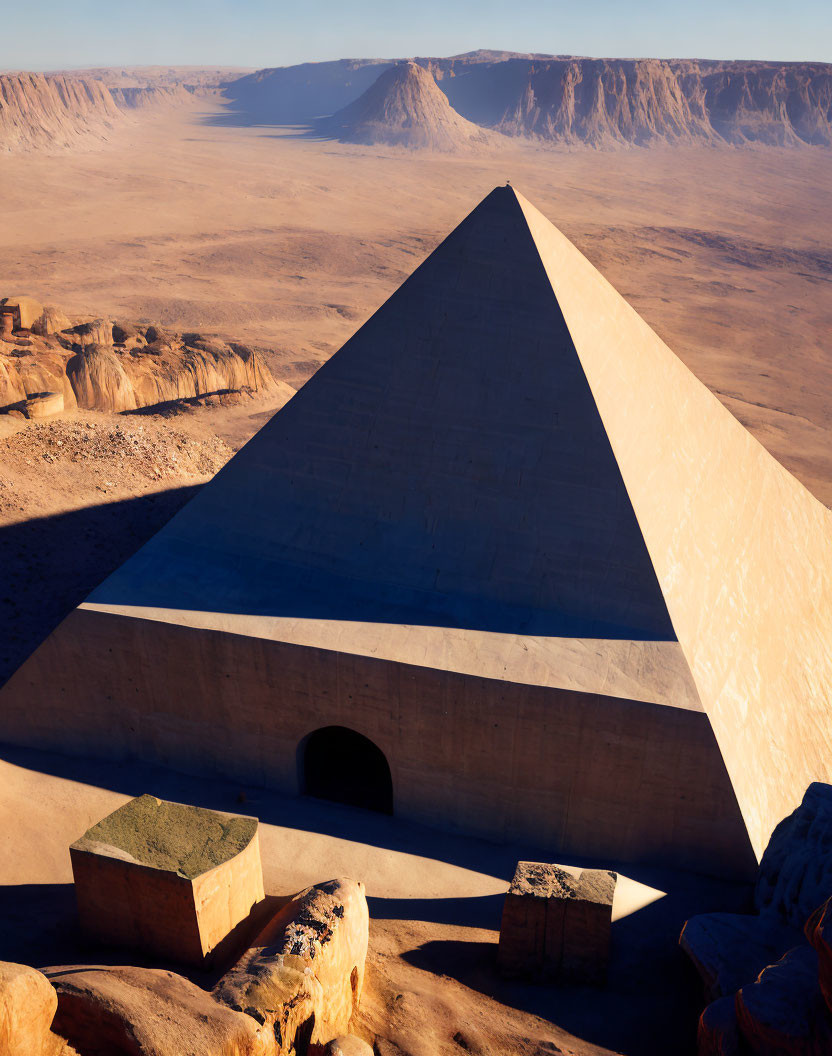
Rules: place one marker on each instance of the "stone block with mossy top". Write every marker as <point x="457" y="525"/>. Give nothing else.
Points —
<point x="167" y="878"/>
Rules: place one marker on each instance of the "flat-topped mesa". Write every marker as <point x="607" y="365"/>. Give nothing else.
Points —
<point x="167" y="878"/>
<point x="406" y="108"/>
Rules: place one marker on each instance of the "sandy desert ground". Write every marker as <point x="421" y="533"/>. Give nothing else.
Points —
<point x="269" y="236"/>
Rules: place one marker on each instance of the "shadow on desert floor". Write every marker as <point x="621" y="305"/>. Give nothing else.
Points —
<point x="50" y="564"/>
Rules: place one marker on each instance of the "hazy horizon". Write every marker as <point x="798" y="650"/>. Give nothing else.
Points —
<point x="257" y="34"/>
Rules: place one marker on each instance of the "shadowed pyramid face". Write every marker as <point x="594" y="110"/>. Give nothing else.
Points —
<point x="447" y="467"/>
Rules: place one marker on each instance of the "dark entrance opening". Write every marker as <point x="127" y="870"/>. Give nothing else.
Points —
<point x="344" y="766"/>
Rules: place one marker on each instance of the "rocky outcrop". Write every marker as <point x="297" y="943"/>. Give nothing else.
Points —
<point x="27" y="1008"/>
<point x="141" y="97"/>
<point x="51" y="321"/>
<point x="730" y="949"/>
<point x="819" y="933"/>
<point x="149" y="1012"/>
<point x="99" y="380"/>
<point x="771" y="991"/>
<point x="794" y="877"/>
<point x="303" y="976"/>
<point x="795" y="874"/>
<point x="718" y="1033"/>
<point x="99" y="365"/>
<point x="783" y="1010"/>
<point x="348" y="1045"/>
<point x="405" y="108"/>
<point x="55" y="111"/>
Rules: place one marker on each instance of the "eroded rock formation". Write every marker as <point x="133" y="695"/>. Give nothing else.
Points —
<point x="303" y="976"/>
<point x="607" y="102"/>
<point x="771" y="989"/>
<point x="149" y="1012"/>
<point x="101" y="365"/>
<point x="38" y="112"/>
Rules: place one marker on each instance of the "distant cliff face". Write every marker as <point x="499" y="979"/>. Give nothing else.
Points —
<point x="609" y="102"/>
<point x="560" y="99"/>
<point x="55" y="111"/>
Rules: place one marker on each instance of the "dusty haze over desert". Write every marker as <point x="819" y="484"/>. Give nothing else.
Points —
<point x="194" y="243"/>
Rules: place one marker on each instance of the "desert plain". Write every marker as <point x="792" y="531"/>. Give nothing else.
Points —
<point x="191" y="217"/>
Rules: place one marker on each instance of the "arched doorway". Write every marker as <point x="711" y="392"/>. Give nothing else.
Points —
<point x="341" y="765"/>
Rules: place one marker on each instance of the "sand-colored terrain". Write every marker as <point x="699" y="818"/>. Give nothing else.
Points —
<point x="188" y="218"/>
<point x="290" y="243"/>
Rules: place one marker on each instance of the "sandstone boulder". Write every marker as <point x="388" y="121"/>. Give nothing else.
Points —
<point x="718" y="1033"/>
<point x="156" y="335"/>
<point x="51" y="321"/>
<point x="303" y="975"/>
<point x="731" y="949"/>
<point x="783" y="1012"/>
<point x="44" y="404"/>
<point x="149" y="1012"/>
<point x="168" y="878"/>
<point x="795" y="876"/>
<point x="348" y="1045"/>
<point x="127" y="332"/>
<point x="27" y="1007"/>
<point x="99" y="380"/>
<point x="96" y="332"/>
<point x="819" y="933"/>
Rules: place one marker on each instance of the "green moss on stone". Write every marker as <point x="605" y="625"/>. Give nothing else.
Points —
<point x="173" y="836"/>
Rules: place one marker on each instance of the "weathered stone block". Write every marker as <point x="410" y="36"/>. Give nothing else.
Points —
<point x="303" y="975"/>
<point x="557" y="923"/>
<point x="167" y="878"/>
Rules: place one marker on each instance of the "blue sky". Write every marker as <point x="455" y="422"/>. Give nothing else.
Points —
<point x="50" y="34"/>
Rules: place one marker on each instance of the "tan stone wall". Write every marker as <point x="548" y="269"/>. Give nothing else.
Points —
<point x="574" y="773"/>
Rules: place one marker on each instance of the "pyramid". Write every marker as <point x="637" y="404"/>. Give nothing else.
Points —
<point x="509" y="538"/>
